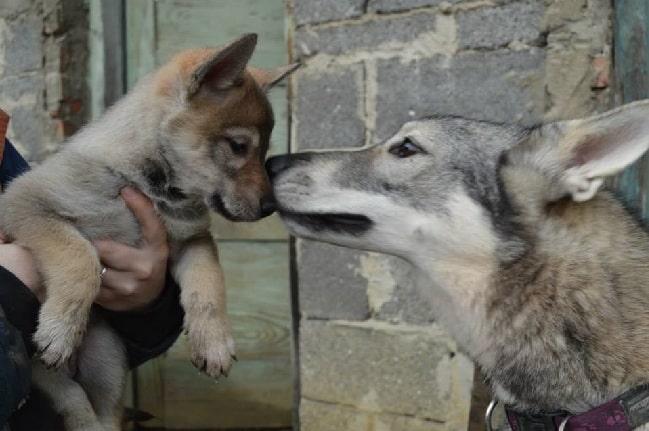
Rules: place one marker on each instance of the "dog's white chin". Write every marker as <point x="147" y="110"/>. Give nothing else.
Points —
<point x="221" y="206"/>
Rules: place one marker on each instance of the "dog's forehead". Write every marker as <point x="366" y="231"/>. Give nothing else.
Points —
<point x="417" y="128"/>
<point x="433" y="128"/>
<point x="431" y="133"/>
<point x="462" y="134"/>
<point x="250" y="134"/>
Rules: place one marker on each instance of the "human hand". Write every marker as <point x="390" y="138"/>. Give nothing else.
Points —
<point x="19" y="261"/>
<point x="134" y="276"/>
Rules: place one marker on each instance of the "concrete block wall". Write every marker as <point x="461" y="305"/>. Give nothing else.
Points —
<point x="370" y="354"/>
<point x="43" y="71"/>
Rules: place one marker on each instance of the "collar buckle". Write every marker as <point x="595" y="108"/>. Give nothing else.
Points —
<point x="490" y="411"/>
<point x="530" y="422"/>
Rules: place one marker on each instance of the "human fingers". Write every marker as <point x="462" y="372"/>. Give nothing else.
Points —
<point x="118" y="256"/>
<point x="111" y="298"/>
<point x="120" y="291"/>
<point x="153" y="229"/>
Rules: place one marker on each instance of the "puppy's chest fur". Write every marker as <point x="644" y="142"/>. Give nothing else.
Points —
<point x="84" y="190"/>
<point x="184" y="216"/>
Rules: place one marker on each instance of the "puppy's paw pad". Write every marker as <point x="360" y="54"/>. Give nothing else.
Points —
<point x="212" y="351"/>
<point x="56" y="345"/>
<point x="52" y="358"/>
<point x="215" y="363"/>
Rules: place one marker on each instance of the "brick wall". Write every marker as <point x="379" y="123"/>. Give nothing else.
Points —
<point x="43" y="68"/>
<point x="370" y="354"/>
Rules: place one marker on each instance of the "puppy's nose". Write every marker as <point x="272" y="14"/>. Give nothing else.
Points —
<point x="267" y="206"/>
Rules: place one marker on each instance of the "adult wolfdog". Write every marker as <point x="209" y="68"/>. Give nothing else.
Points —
<point x="539" y="273"/>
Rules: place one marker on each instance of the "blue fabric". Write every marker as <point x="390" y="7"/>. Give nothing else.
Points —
<point x="12" y="164"/>
<point x="15" y="367"/>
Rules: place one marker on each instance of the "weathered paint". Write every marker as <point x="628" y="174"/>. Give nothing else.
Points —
<point x="632" y="83"/>
<point x="255" y="256"/>
<point x="258" y="392"/>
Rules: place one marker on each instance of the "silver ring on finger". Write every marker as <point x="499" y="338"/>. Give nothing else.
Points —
<point x="102" y="272"/>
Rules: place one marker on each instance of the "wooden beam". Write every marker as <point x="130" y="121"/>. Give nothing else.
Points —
<point x="107" y="67"/>
<point x="112" y="13"/>
<point x="141" y="45"/>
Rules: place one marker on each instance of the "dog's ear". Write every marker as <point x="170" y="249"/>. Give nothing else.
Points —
<point x="268" y="78"/>
<point x="224" y="68"/>
<point x="600" y="146"/>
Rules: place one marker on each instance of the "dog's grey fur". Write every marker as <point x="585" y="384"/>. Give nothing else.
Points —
<point x="541" y="277"/>
<point x="192" y="135"/>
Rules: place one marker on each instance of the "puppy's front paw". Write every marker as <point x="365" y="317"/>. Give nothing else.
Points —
<point x="211" y="345"/>
<point x="57" y="339"/>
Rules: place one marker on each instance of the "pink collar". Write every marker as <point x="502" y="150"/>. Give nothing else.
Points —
<point x="623" y="413"/>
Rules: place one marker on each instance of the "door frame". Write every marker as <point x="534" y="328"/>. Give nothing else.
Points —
<point x="631" y="53"/>
<point x="115" y="63"/>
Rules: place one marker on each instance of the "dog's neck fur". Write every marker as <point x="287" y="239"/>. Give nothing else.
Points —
<point x="538" y="322"/>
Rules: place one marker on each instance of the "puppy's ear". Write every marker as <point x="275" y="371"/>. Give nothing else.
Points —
<point x="225" y="67"/>
<point x="268" y="78"/>
<point x="597" y="147"/>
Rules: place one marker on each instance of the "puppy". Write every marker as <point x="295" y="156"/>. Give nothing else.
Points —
<point x="192" y="136"/>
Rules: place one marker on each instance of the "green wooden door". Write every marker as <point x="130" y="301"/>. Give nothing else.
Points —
<point x="255" y="256"/>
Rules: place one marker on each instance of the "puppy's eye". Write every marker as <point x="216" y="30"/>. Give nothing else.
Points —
<point x="405" y="149"/>
<point x="237" y="148"/>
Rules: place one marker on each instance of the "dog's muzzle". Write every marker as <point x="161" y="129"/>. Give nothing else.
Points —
<point x="278" y="164"/>
<point x="267" y="207"/>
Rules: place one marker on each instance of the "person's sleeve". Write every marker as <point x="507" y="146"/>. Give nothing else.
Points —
<point x="20" y="306"/>
<point x="13" y="164"/>
<point x="150" y="332"/>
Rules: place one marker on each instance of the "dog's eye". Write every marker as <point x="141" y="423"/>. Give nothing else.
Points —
<point x="405" y="149"/>
<point x="238" y="148"/>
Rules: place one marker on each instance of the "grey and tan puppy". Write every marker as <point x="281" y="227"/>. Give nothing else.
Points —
<point x="541" y="277"/>
<point x="192" y="136"/>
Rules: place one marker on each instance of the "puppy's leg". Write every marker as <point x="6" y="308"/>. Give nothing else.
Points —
<point x="202" y="296"/>
<point x="68" y="398"/>
<point x="102" y="373"/>
<point x="70" y="269"/>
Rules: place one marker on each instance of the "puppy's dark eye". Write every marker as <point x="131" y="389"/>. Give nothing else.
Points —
<point x="405" y="149"/>
<point x="237" y="148"/>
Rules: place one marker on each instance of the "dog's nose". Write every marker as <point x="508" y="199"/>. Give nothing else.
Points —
<point x="267" y="206"/>
<point x="277" y="164"/>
